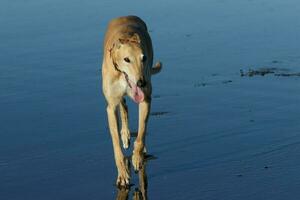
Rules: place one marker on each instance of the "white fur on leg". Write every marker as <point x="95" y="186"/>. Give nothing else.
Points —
<point x="125" y="136"/>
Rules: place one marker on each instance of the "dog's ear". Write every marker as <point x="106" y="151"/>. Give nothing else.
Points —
<point x="123" y="41"/>
<point x="135" y="38"/>
<point x="116" y="45"/>
<point x="112" y="49"/>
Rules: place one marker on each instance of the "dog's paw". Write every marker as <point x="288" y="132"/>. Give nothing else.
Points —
<point x="125" y="136"/>
<point x="123" y="173"/>
<point x="123" y="180"/>
<point x="137" y="160"/>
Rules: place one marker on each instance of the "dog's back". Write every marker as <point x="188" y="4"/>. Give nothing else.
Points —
<point x="127" y="20"/>
<point x="123" y="25"/>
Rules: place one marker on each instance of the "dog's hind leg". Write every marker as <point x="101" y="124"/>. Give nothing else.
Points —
<point x="139" y="144"/>
<point x="121" y="161"/>
<point x="125" y="133"/>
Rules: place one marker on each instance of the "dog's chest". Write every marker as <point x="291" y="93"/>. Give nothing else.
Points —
<point x="118" y="88"/>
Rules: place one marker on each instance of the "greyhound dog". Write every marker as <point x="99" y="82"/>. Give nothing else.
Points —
<point x="126" y="70"/>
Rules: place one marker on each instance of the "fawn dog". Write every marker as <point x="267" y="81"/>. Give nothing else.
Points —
<point x="126" y="70"/>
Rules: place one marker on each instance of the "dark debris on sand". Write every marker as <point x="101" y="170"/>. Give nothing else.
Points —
<point x="268" y="70"/>
<point x="288" y="74"/>
<point x="227" y="81"/>
<point x="261" y="72"/>
<point x="200" y="84"/>
<point x="203" y="84"/>
<point x="159" y="113"/>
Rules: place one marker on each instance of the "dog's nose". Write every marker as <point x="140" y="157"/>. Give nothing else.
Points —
<point x="141" y="83"/>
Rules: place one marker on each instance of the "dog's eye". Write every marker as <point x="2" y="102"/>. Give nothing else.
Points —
<point x="144" y="58"/>
<point x="127" y="60"/>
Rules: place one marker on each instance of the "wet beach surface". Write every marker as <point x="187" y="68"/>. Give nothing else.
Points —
<point x="214" y="133"/>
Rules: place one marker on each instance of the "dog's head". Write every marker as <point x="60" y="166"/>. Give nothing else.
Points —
<point x="131" y="57"/>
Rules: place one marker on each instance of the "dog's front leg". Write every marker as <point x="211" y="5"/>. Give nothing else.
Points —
<point x="139" y="144"/>
<point x="121" y="161"/>
<point x="125" y="133"/>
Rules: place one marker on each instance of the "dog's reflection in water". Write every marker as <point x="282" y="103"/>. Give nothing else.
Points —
<point x="140" y="192"/>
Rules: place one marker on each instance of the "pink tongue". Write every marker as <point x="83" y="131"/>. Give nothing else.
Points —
<point x="138" y="94"/>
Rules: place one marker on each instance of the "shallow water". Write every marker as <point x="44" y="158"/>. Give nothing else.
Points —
<point x="216" y="135"/>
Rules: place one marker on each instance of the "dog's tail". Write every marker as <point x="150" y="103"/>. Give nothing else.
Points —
<point x="157" y="68"/>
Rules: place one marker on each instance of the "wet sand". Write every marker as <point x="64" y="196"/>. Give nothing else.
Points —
<point x="214" y="133"/>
